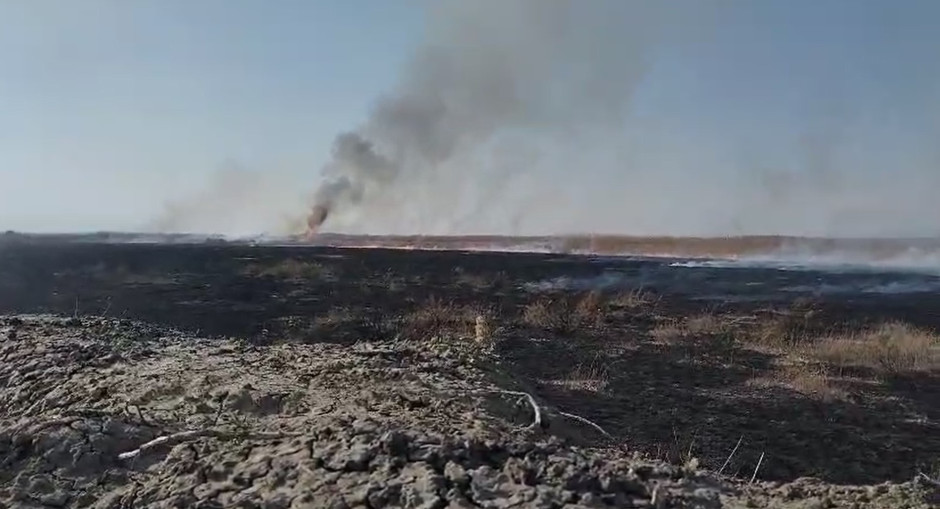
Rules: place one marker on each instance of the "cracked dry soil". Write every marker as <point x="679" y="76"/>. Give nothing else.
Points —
<point x="375" y="424"/>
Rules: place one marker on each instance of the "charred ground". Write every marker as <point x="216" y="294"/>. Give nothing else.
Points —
<point x="677" y="366"/>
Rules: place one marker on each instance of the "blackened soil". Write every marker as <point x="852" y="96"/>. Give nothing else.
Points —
<point x="664" y="401"/>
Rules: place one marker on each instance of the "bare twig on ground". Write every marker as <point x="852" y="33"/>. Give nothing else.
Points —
<point x="722" y="469"/>
<point x="140" y="413"/>
<point x="537" y="421"/>
<point x="176" y="437"/>
<point x="189" y="435"/>
<point x="585" y="421"/>
<point x="759" y="461"/>
<point x="925" y="477"/>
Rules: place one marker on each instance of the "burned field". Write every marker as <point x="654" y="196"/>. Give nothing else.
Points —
<point x="322" y="377"/>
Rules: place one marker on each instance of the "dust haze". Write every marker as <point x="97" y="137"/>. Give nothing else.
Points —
<point x="519" y="118"/>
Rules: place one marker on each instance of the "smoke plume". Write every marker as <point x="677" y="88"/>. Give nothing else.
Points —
<point x="492" y="81"/>
<point x="520" y="117"/>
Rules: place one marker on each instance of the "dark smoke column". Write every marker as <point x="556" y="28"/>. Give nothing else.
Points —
<point x="316" y="218"/>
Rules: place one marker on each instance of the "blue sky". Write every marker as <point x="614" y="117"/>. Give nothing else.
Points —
<point x="101" y="97"/>
<point x="109" y="108"/>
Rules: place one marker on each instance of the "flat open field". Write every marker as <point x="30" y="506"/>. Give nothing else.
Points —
<point x="293" y="376"/>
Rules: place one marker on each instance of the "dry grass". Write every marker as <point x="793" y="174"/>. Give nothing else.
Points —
<point x="592" y="375"/>
<point x="633" y="299"/>
<point x="805" y="379"/>
<point x="438" y="318"/>
<point x="566" y="315"/>
<point x="700" y="338"/>
<point x="789" y="330"/>
<point x="290" y="268"/>
<point x="485" y="331"/>
<point x="692" y="327"/>
<point x="813" y="382"/>
<point x="589" y="309"/>
<point x="706" y="324"/>
<point x="669" y="332"/>
<point x="891" y="349"/>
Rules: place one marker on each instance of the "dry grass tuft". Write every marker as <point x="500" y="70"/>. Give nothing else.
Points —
<point x="669" y="332"/>
<point x="814" y="383"/>
<point x="891" y="349"/>
<point x="787" y="332"/>
<point x="698" y="326"/>
<point x="290" y="268"/>
<point x="590" y="309"/>
<point x="705" y="324"/>
<point x="631" y="300"/>
<point x="485" y="331"/>
<point x="438" y="318"/>
<point x="701" y="338"/>
<point x="791" y="329"/>
<point x="805" y="379"/>
<point x="541" y="314"/>
<point x="564" y="314"/>
<point x="592" y="376"/>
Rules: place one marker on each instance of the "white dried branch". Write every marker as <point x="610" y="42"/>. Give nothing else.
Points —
<point x="928" y="480"/>
<point x="722" y="469"/>
<point x="586" y="421"/>
<point x="761" y="460"/>
<point x="193" y="434"/>
<point x="537" y="420"/>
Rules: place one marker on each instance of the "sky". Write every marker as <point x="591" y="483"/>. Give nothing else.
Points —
<point x="120" y="115"/>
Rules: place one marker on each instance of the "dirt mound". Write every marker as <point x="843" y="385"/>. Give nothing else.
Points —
<point x="112" y="414"/>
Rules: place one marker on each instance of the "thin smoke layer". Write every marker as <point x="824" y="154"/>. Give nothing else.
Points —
<point x="234" y="202"/>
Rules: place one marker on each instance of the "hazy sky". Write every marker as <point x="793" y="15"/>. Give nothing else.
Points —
<point x="109" y="109"/>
